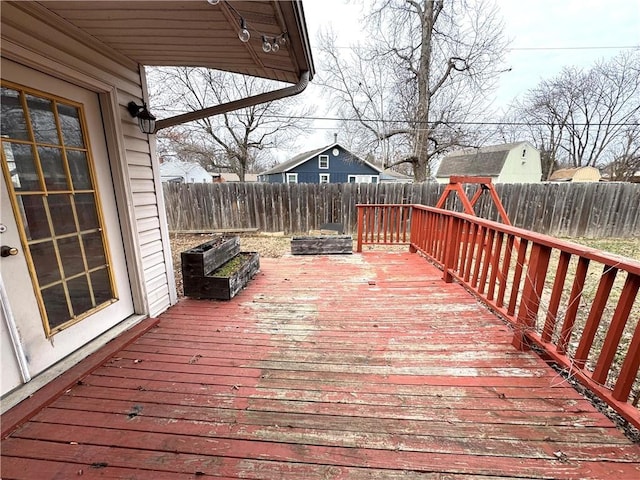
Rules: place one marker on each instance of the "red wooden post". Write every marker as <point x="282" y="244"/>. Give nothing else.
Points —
<point x="595" y="314"/>
<point x="556" y="296"/>
<point x="517" y="276"/>
<point x="629" y="369"/>
<point x="415" y="222"/>
<point x="616" y="328"/>
<point x="504" y="272"/>
<point x="495" y="261"/>
<point x="480" y="239"/>
<point x="488" y="248"/>
<point x="574" y="303"/>
<point x="449" y="250"/>
<point x="499" y="206"/>
<point x="533" y="285"/>
<point x="360" y="227"/>
<point x="473" y="231"/>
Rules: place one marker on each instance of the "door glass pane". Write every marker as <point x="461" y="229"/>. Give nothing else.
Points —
<point x="70" y="125"/>
<point x="46" y="263"/>
<point x="63" y="231"/>
<point x="79" y="170"/>
<point x="53" y="168"/>
<point x="21" y="166"/>
<point x="71" y="256"/>
<point x="55" y="302"/>
<point x="80" y="295"/>
<point x="86" y="208"/>
<point x="101" y="286"/>
<point x="61" y="214"/>
<point x="14" y="124"/>
<point x="94" y="249"/>
<point x="43" y="121"/>
<point x="34" y="217"/>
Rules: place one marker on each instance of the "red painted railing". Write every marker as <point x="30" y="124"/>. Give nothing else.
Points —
<point x="578" y="305"/>
<point x="383" y="224"/>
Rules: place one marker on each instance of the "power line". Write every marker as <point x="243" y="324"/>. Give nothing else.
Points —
<point x="550" y="48"/>
<point x="483" y="123"/>
<point x="595" y="47"/>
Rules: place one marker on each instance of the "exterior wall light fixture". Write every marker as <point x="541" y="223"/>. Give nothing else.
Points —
<point x="146" y="120"/>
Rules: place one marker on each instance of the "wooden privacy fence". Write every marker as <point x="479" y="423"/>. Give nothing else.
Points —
<point x="579" y="305"/>
<point x="597" y="210"/>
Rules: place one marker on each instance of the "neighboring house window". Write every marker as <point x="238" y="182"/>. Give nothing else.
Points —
<point x="363" y="179"/>
<point x="324" y="178"/>
<point x="323" y="161"/>
<point x="292" y="178"/>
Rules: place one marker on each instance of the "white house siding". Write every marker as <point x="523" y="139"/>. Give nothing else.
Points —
<point x="30" y="35"/>
<point x="521" y="169"/>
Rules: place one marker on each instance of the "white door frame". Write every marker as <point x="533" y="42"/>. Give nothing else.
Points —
<point x="114" y="137"/>
<point x="112" y="114"/>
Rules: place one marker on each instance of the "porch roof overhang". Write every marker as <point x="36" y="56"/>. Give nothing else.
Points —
<point x="195" y="33"/>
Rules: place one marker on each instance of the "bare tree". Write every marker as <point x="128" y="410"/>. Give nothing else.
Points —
<point x="419" y="78"/>
<point x="586" y="117"/>
<point x="240" y="141"/>
<point x="626" y="164"/>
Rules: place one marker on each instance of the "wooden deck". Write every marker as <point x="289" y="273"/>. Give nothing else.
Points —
<point x="344" y="367"/>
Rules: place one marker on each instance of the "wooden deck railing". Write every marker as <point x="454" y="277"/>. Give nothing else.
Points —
<point x="383" y="224"/>
<point x="578" y="305"/>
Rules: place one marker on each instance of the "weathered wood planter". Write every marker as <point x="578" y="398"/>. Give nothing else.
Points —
<point x="322" y="245"/>
<point x="217" y="269"/>
<point x="227" y="280"/>
<point x="205" y="258"/>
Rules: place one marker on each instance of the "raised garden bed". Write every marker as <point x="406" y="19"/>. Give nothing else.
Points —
<point x="205" y="258"/>
<point x="217" y="269"/>
<point x="322" y="245"/>
<point x="227" y="280"/>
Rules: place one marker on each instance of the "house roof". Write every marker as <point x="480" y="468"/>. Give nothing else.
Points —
<point x="179" y="169"/>
<point x="306" y="156"/>
<point x="484" y="161"/>
<point x="233" y="177"/>
<point x="395" y="176"/>
<point x="575" y="174"/>
<point x="190" y="33"/>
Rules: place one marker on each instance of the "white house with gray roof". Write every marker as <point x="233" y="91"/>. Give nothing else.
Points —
<point x="508" y="163"/>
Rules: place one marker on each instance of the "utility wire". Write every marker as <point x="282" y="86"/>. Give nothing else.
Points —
<point x="342" y="119"/>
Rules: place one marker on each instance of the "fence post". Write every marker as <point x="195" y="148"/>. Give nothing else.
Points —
<point x="360" y="227"/>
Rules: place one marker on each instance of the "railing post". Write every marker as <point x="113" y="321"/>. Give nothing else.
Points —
<point x="360" y="227"/>
<point x="530" y="302"/>
<point x="415" y="216"/>
<point x="449" y="251"/>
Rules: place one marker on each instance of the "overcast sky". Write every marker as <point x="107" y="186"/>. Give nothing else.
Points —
<point x="545" y="36"/>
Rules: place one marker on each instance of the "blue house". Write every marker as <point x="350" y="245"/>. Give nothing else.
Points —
<point x="330" y="164"/>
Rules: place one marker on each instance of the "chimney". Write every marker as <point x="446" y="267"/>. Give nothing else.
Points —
<point x="335" y="138"/>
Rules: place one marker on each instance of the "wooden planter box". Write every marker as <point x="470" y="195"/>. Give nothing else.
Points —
<point x="222" y="284"/>
<point x="322" y="245"/>
<point x="205" y="258"/>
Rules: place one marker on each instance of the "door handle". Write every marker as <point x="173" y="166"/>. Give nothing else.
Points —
<point x="6" y="251"/>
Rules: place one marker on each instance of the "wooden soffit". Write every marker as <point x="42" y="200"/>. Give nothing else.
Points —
<point x="195" y="33"/>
